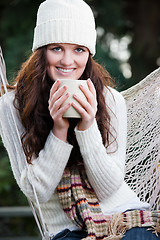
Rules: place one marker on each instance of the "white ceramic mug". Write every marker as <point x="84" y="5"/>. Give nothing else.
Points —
<point x="73" y="88"/>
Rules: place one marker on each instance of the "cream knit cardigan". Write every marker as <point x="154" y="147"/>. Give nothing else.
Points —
<point x="105" y="170"/>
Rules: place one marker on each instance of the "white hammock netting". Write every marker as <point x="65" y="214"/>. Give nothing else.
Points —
<point x="143" y="149"/>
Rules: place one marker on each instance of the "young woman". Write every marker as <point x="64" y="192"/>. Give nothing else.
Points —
<point x="77" y="166"/>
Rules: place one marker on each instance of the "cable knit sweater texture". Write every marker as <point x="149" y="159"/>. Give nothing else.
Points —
<point x="105" y="170"/>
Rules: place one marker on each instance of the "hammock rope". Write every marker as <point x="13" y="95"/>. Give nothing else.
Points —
<point x="143" y="149"/>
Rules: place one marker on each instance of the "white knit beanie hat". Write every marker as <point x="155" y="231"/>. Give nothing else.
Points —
<point x="65" y="21"/>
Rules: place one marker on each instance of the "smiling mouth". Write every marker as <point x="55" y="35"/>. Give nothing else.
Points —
<point x="65" y="70"/>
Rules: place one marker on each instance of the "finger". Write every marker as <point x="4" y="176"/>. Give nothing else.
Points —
<point x="81" y="101"/>
<point x="84" y="105"/>
<point x="91" y="87"/>
<point x="62" y="110"/>
<point x="81" y="110"/>
<point x="57" y="104"/>
<point x="91" y="98"/>
<point x="86" y="91"/>
<point x="54" y="88"/>
<point x="57" y="95"/>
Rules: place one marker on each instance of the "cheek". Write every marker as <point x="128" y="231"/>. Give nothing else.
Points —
<point x="83" y="62"/>
<point x="48" y="57"/>
<point x="51" y="64"/>
<point x="50" y="60"/>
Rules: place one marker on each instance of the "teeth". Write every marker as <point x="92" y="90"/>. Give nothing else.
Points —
<point x="65" y="70"/>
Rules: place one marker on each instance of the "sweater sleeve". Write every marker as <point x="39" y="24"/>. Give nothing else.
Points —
<point x="105" y="167"/>
<point x="46" y="170"/>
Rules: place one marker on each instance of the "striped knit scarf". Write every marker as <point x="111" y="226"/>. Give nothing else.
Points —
<point x="81" y="205"/>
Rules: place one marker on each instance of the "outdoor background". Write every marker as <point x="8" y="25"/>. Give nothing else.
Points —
<point x="128" y="46"/>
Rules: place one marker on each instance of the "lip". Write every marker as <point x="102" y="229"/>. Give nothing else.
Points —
<point x="65" y="71"/>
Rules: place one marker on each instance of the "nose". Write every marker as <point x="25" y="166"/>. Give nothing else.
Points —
<point x="67" y="58"/>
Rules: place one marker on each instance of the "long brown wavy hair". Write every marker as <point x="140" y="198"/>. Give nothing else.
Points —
<point x="31" y="99"/>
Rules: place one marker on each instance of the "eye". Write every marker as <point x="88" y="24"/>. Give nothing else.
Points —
<point x="57" y="49"/>
<point x="79" y="50"/>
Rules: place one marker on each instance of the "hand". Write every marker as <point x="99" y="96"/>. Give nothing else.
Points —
<point x="56" y="99"/>
<point x="87" y="108"/>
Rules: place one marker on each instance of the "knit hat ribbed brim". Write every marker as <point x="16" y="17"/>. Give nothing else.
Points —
<point x="65" y="21"/>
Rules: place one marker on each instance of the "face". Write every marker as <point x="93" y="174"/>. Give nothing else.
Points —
<point x="66" y="61"/>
